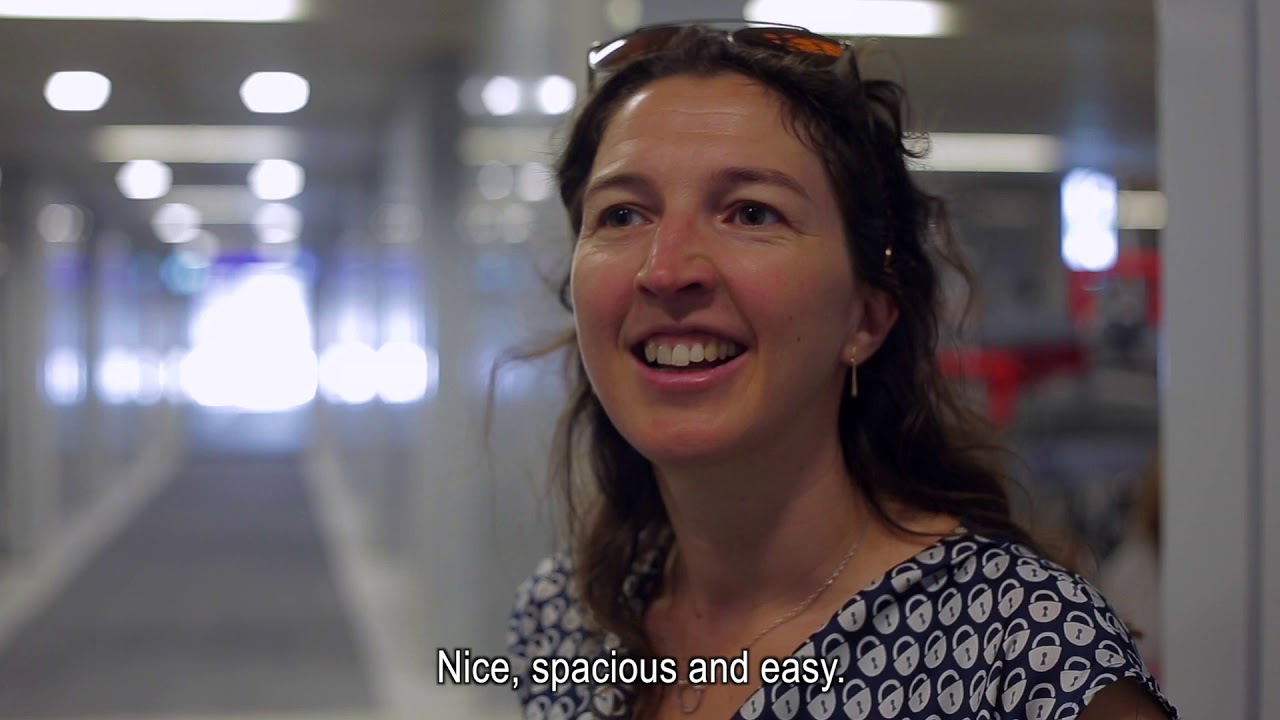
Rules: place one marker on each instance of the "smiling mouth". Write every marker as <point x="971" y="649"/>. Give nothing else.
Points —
<point x="685" y="357"/>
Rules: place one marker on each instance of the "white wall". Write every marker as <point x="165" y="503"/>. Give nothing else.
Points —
<point x="1219" y="84"/>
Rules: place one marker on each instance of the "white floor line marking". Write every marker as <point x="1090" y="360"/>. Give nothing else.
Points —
<point x="27" y="587"/>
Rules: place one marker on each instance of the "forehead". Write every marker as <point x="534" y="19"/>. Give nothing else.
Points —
<point x="695" y="111"/>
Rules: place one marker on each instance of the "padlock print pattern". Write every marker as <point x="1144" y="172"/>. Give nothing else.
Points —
<point x="970" y="628"/>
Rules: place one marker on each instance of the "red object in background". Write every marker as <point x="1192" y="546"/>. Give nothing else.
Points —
<point x="1133" y="264"/>
<point x="1005" y="371"/>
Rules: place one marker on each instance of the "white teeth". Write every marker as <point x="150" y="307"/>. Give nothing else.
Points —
<point x="682" y="355"/>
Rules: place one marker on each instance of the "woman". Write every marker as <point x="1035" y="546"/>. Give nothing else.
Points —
<point x="776" y="465"/>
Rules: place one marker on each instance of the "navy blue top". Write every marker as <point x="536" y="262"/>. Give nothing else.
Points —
<point x="971" y="627"/>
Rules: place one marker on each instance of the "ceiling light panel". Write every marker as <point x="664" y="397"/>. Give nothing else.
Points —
<point x="144" y="179"/>
<point x="77" y="91"/>
<point x="276" y="179"/>
<point x="881" y="18"/>
<point x="990" y="153"/>
<point x="195" y="143"/>
<point x="247" y="11"/>
<point x="275" y="92"/>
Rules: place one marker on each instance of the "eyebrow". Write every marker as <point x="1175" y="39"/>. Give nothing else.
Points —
<point x="735" y="176"/>
<point x="726" y="178"/>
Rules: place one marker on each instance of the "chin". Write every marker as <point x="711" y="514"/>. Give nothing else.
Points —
<point x="672" y="447"/>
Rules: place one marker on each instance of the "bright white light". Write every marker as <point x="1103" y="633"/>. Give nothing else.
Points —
<point x="501" y="95"/>
<point x="406" y="372"/>
<point x="275" y="92"/>
<point x="906" y="18"/>
<point x="252" y="345"/>
<point x="349" y="373"/>
<point x="277" y="223"/>
<point x="533" y="184"/>
<point x="176" y="222"/>
<point x="77" y="91"/>
<point x="556" y="94"/>
<point x="494" y="180"/>
<point x="64" y="376"/>
<point x="153" y="378"/>
<point x="144" y="179"/>
<point x="1142" y="210"/>
<point x="1089" y="221"/>
<point x="195" y="143"/>
<point x="119" y="377"/>
<point x="60" y="223"/>
<point x="276" y="179"/>
<point x="156" y="10"/>
<point x="989" y="152"/>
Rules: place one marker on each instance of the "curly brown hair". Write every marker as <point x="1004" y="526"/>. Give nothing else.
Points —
<point x="908" y="437"/>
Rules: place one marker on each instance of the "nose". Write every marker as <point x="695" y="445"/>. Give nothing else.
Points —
<point x="678" y="263"/>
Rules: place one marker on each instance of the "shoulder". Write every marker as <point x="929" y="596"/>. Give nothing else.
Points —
<point x="975" y="623"/>
<point x="1061" y="642"/>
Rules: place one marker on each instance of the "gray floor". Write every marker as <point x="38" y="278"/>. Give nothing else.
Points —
<point x="218" y="599"/>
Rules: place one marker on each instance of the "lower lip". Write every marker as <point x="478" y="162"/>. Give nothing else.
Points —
<point x="689" y="380"/>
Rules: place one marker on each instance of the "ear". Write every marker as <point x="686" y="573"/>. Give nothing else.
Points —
<point x="874" y="313"/>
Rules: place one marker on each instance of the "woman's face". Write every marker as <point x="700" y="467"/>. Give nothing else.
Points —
<point x="713" y="292"/>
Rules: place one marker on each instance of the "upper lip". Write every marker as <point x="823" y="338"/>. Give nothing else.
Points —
<point x="684" y="329"/>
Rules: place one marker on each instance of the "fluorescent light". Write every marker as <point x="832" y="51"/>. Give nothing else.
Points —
<point x="276" y="179"/>
<point x="511" y="145"/>
<point x="907" y="18"/>
<point x="218" y="204"/>
<point x="495" y="180"/>
<point x="405" y="372"/>
<point x="1089" y="240"/>
<point x="533" y="184"/>
<point x="275" y="92"/>
<point x="77" y="91"/>
<point x="144" y="179"/>
<point x="990" y="152"/>
<point x="195" y="143"/>
<point x="1142" y="210"/>
<point x="59" y="223"/>
<point x="556" y="94"/>
<point x="501" y="95"/>
<point x="277" y="223"/>
<point x="350" y="373"/>
<point x="64" y="376"/>
<point x="119" y="376"/>
<point x="176" y="223"/>
<point x="156" y="10"/>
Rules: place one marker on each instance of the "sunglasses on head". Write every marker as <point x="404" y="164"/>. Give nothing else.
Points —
<point x="606" y="57"/>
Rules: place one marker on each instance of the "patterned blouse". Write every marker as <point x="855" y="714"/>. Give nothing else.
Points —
<point x="971" y="627"/>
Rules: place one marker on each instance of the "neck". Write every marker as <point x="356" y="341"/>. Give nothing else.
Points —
<point x="760" y="533"/>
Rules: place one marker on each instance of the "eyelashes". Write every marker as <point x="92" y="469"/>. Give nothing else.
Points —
<point x="746" y="214"/>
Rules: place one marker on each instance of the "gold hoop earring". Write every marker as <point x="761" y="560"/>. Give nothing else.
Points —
<point x="853" y="373"/>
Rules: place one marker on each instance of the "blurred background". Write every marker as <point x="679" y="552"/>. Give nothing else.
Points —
<point x="257" y="258"/>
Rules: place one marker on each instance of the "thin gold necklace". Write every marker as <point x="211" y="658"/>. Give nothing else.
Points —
<point x="689" y="695"/>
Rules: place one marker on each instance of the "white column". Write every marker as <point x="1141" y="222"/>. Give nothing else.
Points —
<point x="1267" y="29"/>
<point x="1218" y="98"/>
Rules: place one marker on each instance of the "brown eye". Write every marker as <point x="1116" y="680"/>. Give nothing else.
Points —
<point x="755" y="214"/>
<point x="619" y="217"/>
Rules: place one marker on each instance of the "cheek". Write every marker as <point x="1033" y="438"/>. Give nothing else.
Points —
<point x="600" y="292"/>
